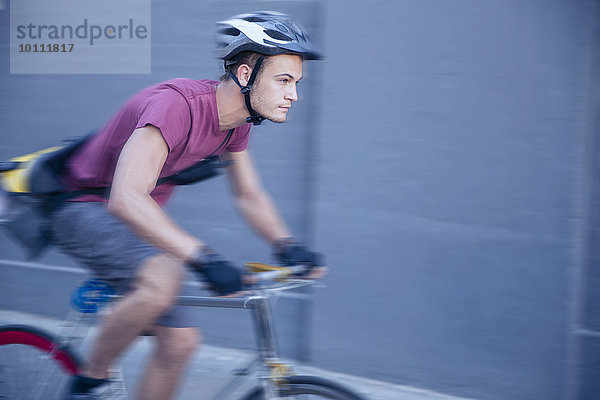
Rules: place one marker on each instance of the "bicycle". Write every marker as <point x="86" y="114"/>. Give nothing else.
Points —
<point x="37" y="364"/>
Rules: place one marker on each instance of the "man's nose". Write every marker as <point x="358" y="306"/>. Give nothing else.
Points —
<point x="292" y="95"/>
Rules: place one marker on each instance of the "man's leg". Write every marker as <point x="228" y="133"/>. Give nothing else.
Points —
<point x="154" y="290"/>
<point x="174" y="349"/>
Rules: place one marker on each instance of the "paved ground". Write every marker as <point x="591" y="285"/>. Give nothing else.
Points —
<point x="212" y="366"/>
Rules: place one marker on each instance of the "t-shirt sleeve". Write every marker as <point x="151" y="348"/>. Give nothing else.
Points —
<point x="239" y="141"/>
<point x="167" y="110"/>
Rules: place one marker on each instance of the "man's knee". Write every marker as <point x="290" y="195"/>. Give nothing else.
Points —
<point x="158" y="282"/>
<point x="177" y="344"/>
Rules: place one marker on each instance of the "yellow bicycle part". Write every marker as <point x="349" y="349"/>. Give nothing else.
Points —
<point x="279" y="371"/>
<point x="256" y="267"/>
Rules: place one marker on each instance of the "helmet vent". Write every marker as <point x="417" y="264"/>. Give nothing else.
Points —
<point x="277" y="35"/>
<point x="255" y="19"/>
<point x="230" y="31"/>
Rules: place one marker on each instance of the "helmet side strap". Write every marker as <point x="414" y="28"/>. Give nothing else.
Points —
<point x="255" y="118"/>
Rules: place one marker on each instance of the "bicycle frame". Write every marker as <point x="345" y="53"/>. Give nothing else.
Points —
<point x="266" y="364"/>
<point x="267" y="361"/>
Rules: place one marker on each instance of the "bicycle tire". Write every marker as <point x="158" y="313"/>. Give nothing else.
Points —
<point x="308" y="387"/>
<point x="33" y="364"/>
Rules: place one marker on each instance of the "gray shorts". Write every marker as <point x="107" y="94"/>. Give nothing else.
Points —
<point x="105" y="245"/>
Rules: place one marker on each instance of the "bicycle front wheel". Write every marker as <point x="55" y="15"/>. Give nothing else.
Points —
<point x="33" y="364"/>
<point x="302" y="387"/>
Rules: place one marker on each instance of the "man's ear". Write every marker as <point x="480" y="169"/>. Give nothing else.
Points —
<point x="243" y="74"/>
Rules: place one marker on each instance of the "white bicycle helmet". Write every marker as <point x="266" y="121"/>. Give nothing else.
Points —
<point x="265" y="32"/>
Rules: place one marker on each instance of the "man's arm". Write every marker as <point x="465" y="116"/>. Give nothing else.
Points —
<point x="254" y="203"/>
<point x="137" y="171"/>
<point x="262" y="214"/>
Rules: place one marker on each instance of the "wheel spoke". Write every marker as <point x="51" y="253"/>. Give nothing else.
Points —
<point x="32" y="365"/>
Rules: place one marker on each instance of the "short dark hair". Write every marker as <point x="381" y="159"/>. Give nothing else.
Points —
<point x="245" y="57"/>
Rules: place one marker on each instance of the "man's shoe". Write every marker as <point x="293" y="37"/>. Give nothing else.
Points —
<point x="106" y="391"/>
<point x="113" y="389"/>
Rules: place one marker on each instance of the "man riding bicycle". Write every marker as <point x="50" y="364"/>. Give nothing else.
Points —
<point x="128" y="240"/>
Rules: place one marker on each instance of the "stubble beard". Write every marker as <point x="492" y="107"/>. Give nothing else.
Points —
<point x="261" y="106"/>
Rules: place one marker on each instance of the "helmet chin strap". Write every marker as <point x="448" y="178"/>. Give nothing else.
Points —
<point x="254" y="117"/>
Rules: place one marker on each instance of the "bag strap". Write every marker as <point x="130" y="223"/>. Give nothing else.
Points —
<point x="51" y="168"/>
<point x="184" y="177"/>
<point x="223" y="143"/>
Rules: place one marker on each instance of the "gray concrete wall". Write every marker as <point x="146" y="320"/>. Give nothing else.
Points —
<point x="451" y="192"/>
<point x="453" y="189"/>
<point x="584" y="374"/>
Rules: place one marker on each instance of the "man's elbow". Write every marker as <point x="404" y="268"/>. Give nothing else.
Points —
<point x="116" y="206"/>
<point x="121" y="204"/>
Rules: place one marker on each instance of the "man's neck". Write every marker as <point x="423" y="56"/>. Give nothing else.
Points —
<point x="230" y="105"/>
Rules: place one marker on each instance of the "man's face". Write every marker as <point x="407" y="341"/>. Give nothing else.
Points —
<point x="275" y="89"/>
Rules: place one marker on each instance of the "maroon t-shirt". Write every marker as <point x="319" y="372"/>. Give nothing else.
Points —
<point x="184" y="110"/>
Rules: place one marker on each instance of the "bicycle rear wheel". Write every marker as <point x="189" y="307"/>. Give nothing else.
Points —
<point x="303" y="387"/>
<point x="33" y="364"/>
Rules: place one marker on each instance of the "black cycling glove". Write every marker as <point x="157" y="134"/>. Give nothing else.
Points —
<point x="289" y="252"/>
<point x="224" y="277"/>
